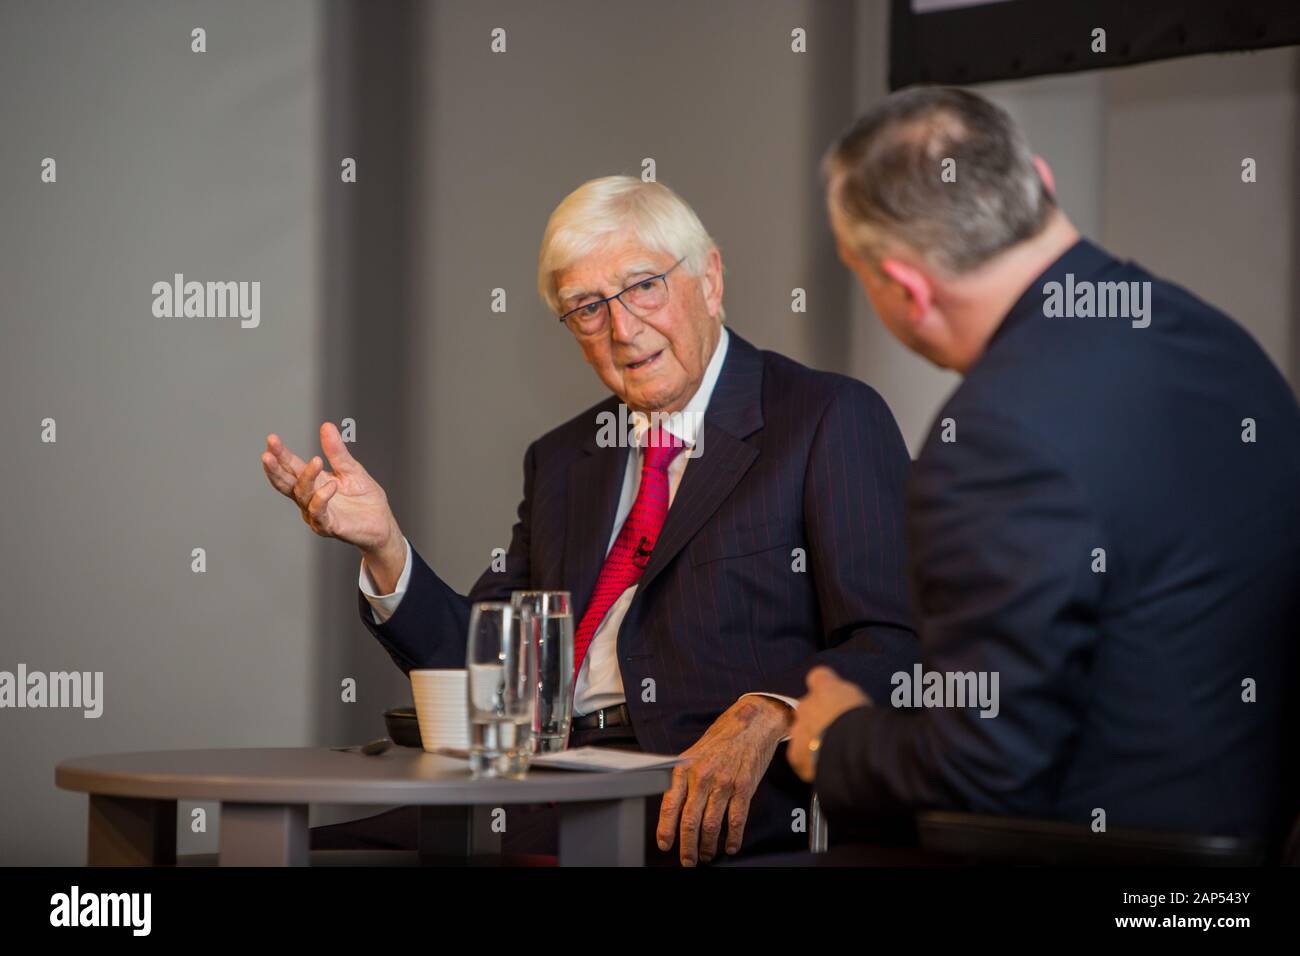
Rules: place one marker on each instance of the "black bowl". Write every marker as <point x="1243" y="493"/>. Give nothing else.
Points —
<point x="403" y="727"/>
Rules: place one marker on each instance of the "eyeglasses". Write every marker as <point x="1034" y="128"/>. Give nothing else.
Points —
<point x="643" y="298"/>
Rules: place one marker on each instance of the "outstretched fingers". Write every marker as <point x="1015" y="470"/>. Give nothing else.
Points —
<point x="336" y="450"/>
<point x="280" y="479"/>
<point x="305" y="486"/>
<point x="317" y="513"/>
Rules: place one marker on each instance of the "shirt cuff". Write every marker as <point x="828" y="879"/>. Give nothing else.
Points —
<point x="384" y="606"/>
<point x="788" y="701"/>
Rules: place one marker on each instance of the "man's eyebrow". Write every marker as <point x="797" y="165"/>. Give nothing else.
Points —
<point x="568" y="294"/>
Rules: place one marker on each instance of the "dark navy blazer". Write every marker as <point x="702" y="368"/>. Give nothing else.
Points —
<point x="792" y="459"/>
<point x="1126" y="690"/>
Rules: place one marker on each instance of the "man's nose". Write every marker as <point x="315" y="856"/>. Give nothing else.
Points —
<point x="623" y="324"/>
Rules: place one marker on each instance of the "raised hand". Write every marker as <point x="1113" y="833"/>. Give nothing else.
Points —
<point x="345" y="503"/>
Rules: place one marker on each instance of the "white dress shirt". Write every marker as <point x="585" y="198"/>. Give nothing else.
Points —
<point x="600" y="683"/>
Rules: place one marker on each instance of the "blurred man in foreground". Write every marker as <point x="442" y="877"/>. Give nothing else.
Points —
<point x="1103" y="527"/>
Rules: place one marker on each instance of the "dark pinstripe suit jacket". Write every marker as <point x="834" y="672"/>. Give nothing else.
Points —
<point x="792" y="459"/>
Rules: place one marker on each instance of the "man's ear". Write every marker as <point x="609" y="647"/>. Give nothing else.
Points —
<point x="712" y="282"/>
<point x="914" y="284"/>
<point x="1045" y="172"/>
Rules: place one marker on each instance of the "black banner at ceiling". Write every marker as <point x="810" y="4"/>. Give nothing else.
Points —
<point x="959" y="42"/>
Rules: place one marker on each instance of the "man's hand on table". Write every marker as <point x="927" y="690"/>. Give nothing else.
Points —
<point x="719" y="776"/>
<point x="829" y="696"/>
<point x="346" y="503"/>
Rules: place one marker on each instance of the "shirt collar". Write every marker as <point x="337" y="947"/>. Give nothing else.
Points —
<point x="686" y="425"/>
<point x="1084" y="258"/>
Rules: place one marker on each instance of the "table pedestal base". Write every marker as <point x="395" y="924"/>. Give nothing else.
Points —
<point x="263" y="834"/>
<point x="610" y="833"/>
<point x="131" y="831"/>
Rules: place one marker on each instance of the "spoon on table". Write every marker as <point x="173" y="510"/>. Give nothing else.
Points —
<point x="374" y="748"/>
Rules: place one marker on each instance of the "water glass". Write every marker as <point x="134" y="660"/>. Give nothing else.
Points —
<point x="502" y="664"/>
<point x="551" y="622"/>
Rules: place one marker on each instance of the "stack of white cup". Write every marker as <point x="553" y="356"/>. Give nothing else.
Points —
<point x="441" y="708"/>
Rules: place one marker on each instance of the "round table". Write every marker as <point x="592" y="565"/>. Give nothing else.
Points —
<point x="265" y="792"/>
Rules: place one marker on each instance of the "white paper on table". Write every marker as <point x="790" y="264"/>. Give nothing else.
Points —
<point x="603" y="758"/>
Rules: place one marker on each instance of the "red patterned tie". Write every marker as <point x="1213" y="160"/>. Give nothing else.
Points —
<point x="636" y="539"/>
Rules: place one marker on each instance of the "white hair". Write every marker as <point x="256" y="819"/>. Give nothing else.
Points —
<point x="600" y="209"/>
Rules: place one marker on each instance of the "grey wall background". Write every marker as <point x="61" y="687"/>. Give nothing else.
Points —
<point x="376" y="300"/>
<point x="168" y="161"/>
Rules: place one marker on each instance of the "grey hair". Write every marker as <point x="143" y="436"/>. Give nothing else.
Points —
<point x="886" y="182"/>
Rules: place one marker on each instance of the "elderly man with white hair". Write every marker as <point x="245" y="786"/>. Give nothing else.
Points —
<point x="748" y="531"/>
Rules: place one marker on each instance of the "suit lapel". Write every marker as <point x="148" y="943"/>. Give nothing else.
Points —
<point x="595" y="483"/>
<point x="705" y="485"/>
<point x="735" y="411"/>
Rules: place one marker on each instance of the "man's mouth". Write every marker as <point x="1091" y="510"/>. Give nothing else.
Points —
<point x="643" y="363"/>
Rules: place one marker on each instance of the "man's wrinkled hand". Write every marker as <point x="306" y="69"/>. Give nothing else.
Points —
<point x="346" y="503"/>
<point x="718" y="778"/>
<point x="829" y="696"/>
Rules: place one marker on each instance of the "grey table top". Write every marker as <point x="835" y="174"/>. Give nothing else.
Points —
<point x="319" y="775"/>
